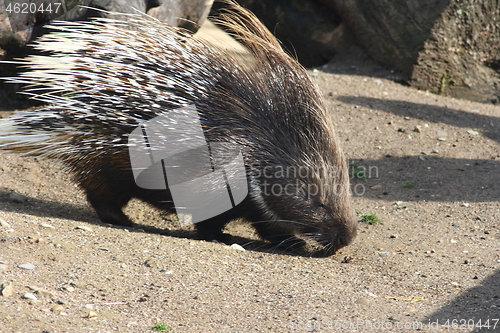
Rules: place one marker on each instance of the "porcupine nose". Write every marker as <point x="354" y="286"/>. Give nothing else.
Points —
<point x="336" y="238"/>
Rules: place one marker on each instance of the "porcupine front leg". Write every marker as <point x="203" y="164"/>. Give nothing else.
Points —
<point x="110" y="211"/>
<point x="108" y="202"/>
<point x="211" y="229"/>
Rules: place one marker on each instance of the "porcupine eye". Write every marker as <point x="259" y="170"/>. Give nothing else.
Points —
<point x="320" y="208"/>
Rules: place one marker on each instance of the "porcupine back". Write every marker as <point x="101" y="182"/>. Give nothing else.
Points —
<point x="104" y="78"/>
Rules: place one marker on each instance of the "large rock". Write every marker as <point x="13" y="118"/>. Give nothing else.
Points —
<point x="445" y="46"/>
<point x="461" y="58"/>
<point x="391" y="31"/>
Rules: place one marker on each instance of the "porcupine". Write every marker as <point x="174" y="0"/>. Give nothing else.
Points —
<point x="105" y="77"/>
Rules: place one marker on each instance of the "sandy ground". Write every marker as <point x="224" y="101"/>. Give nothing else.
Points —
<point x="432" y="264"/>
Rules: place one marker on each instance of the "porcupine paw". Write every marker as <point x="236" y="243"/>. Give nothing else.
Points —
<point x="221" y="238"/>
<point x="212" y="232"/>
<point x="115" y="218"/>
<point x="112" y="215"/>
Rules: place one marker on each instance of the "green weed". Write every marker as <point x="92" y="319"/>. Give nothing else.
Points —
<point x="370" y="219"/>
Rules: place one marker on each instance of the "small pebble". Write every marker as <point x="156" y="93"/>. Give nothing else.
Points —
<point x="64" y="246"/>
<point x="472" y="132"/>
<point x="45" y="225"/>
<point x="237" y="247"/>
<point x="3" y="223"/>
<point x="465" y="204"/>
<point x="417" y="129"/>
<point x="144" y="298"/>
<point x="84" y="227"/>
<point x="376" y="187"/>
<point x="92" y="315"/>
<point x="57" y="308"/>
<point x="68" y="288"/>
<point x="27" y="266"/>
<point x="29" y="296"/>
<point x="151" y="263"/>
<point x="4" y="266"/>
<point x="6" y="289"/>
<point x="400" y="205"/>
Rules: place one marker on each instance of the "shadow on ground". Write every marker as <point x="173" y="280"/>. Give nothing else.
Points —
<point x="411" y="178"/>
<point x="51" y="209"/>
<point x="488" y="125"/>
<point x="481" y="303"/>
<point x="429" y="177"/>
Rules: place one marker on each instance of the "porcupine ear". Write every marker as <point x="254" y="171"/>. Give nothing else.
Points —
<point x="243" y="25"/>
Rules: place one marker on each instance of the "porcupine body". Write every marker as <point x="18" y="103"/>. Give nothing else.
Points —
<point x="104" y="78"/>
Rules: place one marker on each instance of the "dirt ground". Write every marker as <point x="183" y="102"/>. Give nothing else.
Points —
<point x="432" y="264"/>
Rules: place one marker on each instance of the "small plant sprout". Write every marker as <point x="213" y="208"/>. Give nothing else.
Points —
<point x="369" y="218"/>
<point x="408" y="185"/>
<point x="162" y="328"/>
